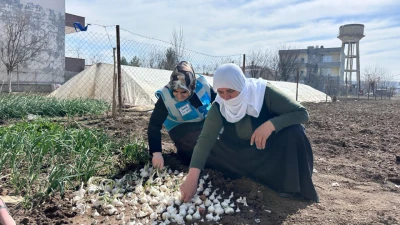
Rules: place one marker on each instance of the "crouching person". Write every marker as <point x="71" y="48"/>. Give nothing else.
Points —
<point x="182" y="106"/>
<point x="262" y="137"/>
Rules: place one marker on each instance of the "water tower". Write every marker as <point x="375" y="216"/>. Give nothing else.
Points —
<point x="350" y="34"/>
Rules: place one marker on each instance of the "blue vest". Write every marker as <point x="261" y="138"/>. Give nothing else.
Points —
<point x="183" y="112"/>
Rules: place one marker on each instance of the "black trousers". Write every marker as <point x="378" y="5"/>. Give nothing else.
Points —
<point x="185" y="146"/>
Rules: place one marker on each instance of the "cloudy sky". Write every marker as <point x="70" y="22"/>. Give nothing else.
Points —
<point x="225" y="27"/>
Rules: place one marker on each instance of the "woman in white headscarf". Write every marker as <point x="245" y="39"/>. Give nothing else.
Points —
<point x="262" y="137"/>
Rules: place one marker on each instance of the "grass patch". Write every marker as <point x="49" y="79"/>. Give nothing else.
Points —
<point x="40" y="158"/>
<point x="19" y="106"/>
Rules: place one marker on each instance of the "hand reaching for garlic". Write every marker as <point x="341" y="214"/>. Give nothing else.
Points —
<point x="157" y="160"/>
<point x="189" y="187"/>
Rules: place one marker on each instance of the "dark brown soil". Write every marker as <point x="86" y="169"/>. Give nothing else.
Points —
<point x="356" y="145"/>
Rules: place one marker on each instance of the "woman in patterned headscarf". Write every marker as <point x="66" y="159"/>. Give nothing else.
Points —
<point x="182" y="107"/>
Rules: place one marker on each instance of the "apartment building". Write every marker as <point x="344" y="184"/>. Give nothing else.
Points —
<point x="319" y="67"/>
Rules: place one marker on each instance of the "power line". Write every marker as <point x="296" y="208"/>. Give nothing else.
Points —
<point x="156" y="39"/>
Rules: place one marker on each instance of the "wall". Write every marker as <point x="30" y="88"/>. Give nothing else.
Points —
<point x="73" y="66"/>
<point x="47" y="16"/>
<point x="336" y="57"/>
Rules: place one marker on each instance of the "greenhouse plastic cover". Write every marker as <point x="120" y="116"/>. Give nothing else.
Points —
<point x="139" y="85"/>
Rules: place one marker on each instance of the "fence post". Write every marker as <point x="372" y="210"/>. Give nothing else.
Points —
<point x="326" y="89"/>
<point x="114" y="101"/>
<point x="244" y="64"/>
<point x="119" y="70"/>
<point x="297" y="83"/>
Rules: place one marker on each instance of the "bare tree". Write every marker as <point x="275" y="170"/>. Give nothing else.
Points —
<point x="21" y="43"/>
<point x="95" y="58"/>
<point x="178" y="43"/>
<point x="373" y="75"/>
<point x="259" y="64"/>
<point x="288" y="62"/>
<point x="155" y="59"/>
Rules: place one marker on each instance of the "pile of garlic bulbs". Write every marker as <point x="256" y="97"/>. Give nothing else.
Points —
<point x="152" y="196"/>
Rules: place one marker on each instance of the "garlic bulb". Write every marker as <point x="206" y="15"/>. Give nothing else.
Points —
<point x="183" y="207"/>
<point x="178" y="201"/>
<point x="229" y="210"/>
<point x="237" y="210"/>
<point x="201" y="181"/>
<point x="200" y="188"/>
<point x="216" y="218"/>
<point x="160" y="208"/>
<point x="190" y="211"/>
<point x="198" y="201"/>
<point x="211" y="209"/>
<point x="219" y="210"/>
<point x="225" y="204"/>
<point x="117" y="202"/>
<point x="166" y="215"/>
<point x="120" y="216"/>
<point x="207" y="202"/>
<point x="171" y="209"/>
<point x="182" y="212"/>
<point x="164" y="188"/>
<point x="111" y="210"/>
<point x="153" y="216"/>
<point x="209" y="217"/>
<point x="153" y="202"/>
<point x="206" y="191"/>
<point x="212" y="196"/>
<point x="92" y="189"/>
<point x="196" y="215"/>
<point x="95" y="213"/>
<point x="189" y="217"/>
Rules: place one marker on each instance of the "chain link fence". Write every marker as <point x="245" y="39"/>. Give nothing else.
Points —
<point x="91" y="66"/>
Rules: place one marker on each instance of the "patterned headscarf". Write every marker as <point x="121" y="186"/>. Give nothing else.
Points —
<point x="183" y="77"/>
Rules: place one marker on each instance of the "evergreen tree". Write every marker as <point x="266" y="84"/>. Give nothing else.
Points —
<point x="135" y="62"/>
<point x="124" y="61"/>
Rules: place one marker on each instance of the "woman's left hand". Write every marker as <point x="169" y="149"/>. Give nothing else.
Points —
<point x="261" y="135"/>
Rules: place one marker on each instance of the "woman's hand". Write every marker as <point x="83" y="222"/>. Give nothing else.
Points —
<point x="157" y="160"/>
<point x="261" y="134"/>
<point x="189" y="187"/>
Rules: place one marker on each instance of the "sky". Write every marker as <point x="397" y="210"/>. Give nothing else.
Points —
<point x="230" y="27"/>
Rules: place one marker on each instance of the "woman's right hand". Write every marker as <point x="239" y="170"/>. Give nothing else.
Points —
<point x="157" y="160"/>
<point x="189" y="187"/>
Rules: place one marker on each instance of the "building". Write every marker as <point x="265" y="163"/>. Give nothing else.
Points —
<point x="73" y="66"/>
<point x="44" y="24"/>
<point x="46" y="20"/>
<point x="319" y="67"/>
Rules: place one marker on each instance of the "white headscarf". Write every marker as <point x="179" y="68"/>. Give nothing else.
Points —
<point x="251" y="97"/>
